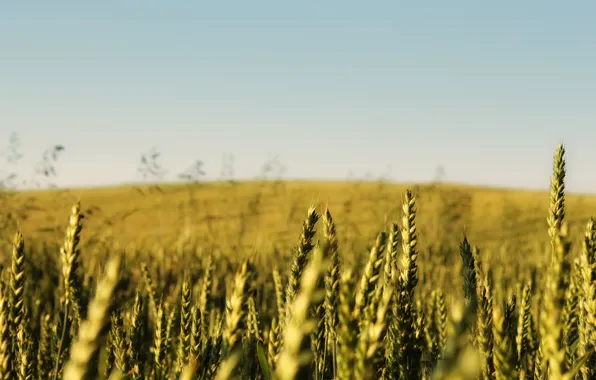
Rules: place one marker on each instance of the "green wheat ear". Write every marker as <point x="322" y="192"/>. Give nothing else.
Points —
<point x="296" y="356"/>
<point x="556" y="209"/>
<point x="84" y="355"/>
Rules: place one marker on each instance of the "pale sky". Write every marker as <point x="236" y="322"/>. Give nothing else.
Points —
<point x="392" y="88"/>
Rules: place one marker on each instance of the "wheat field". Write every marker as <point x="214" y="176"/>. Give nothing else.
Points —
<point x="299" y="281"/>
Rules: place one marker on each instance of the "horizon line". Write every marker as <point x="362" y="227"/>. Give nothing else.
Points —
<point x="240" y="181"/>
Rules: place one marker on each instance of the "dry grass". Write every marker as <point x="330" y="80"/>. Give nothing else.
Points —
<point x="255" y="213"/>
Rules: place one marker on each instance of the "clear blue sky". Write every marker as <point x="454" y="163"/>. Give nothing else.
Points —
<point x="395" y="88"/>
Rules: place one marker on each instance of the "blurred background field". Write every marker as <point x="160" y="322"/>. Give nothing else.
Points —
<point x="243" y="214"/>
<point x="267" y="216"/>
